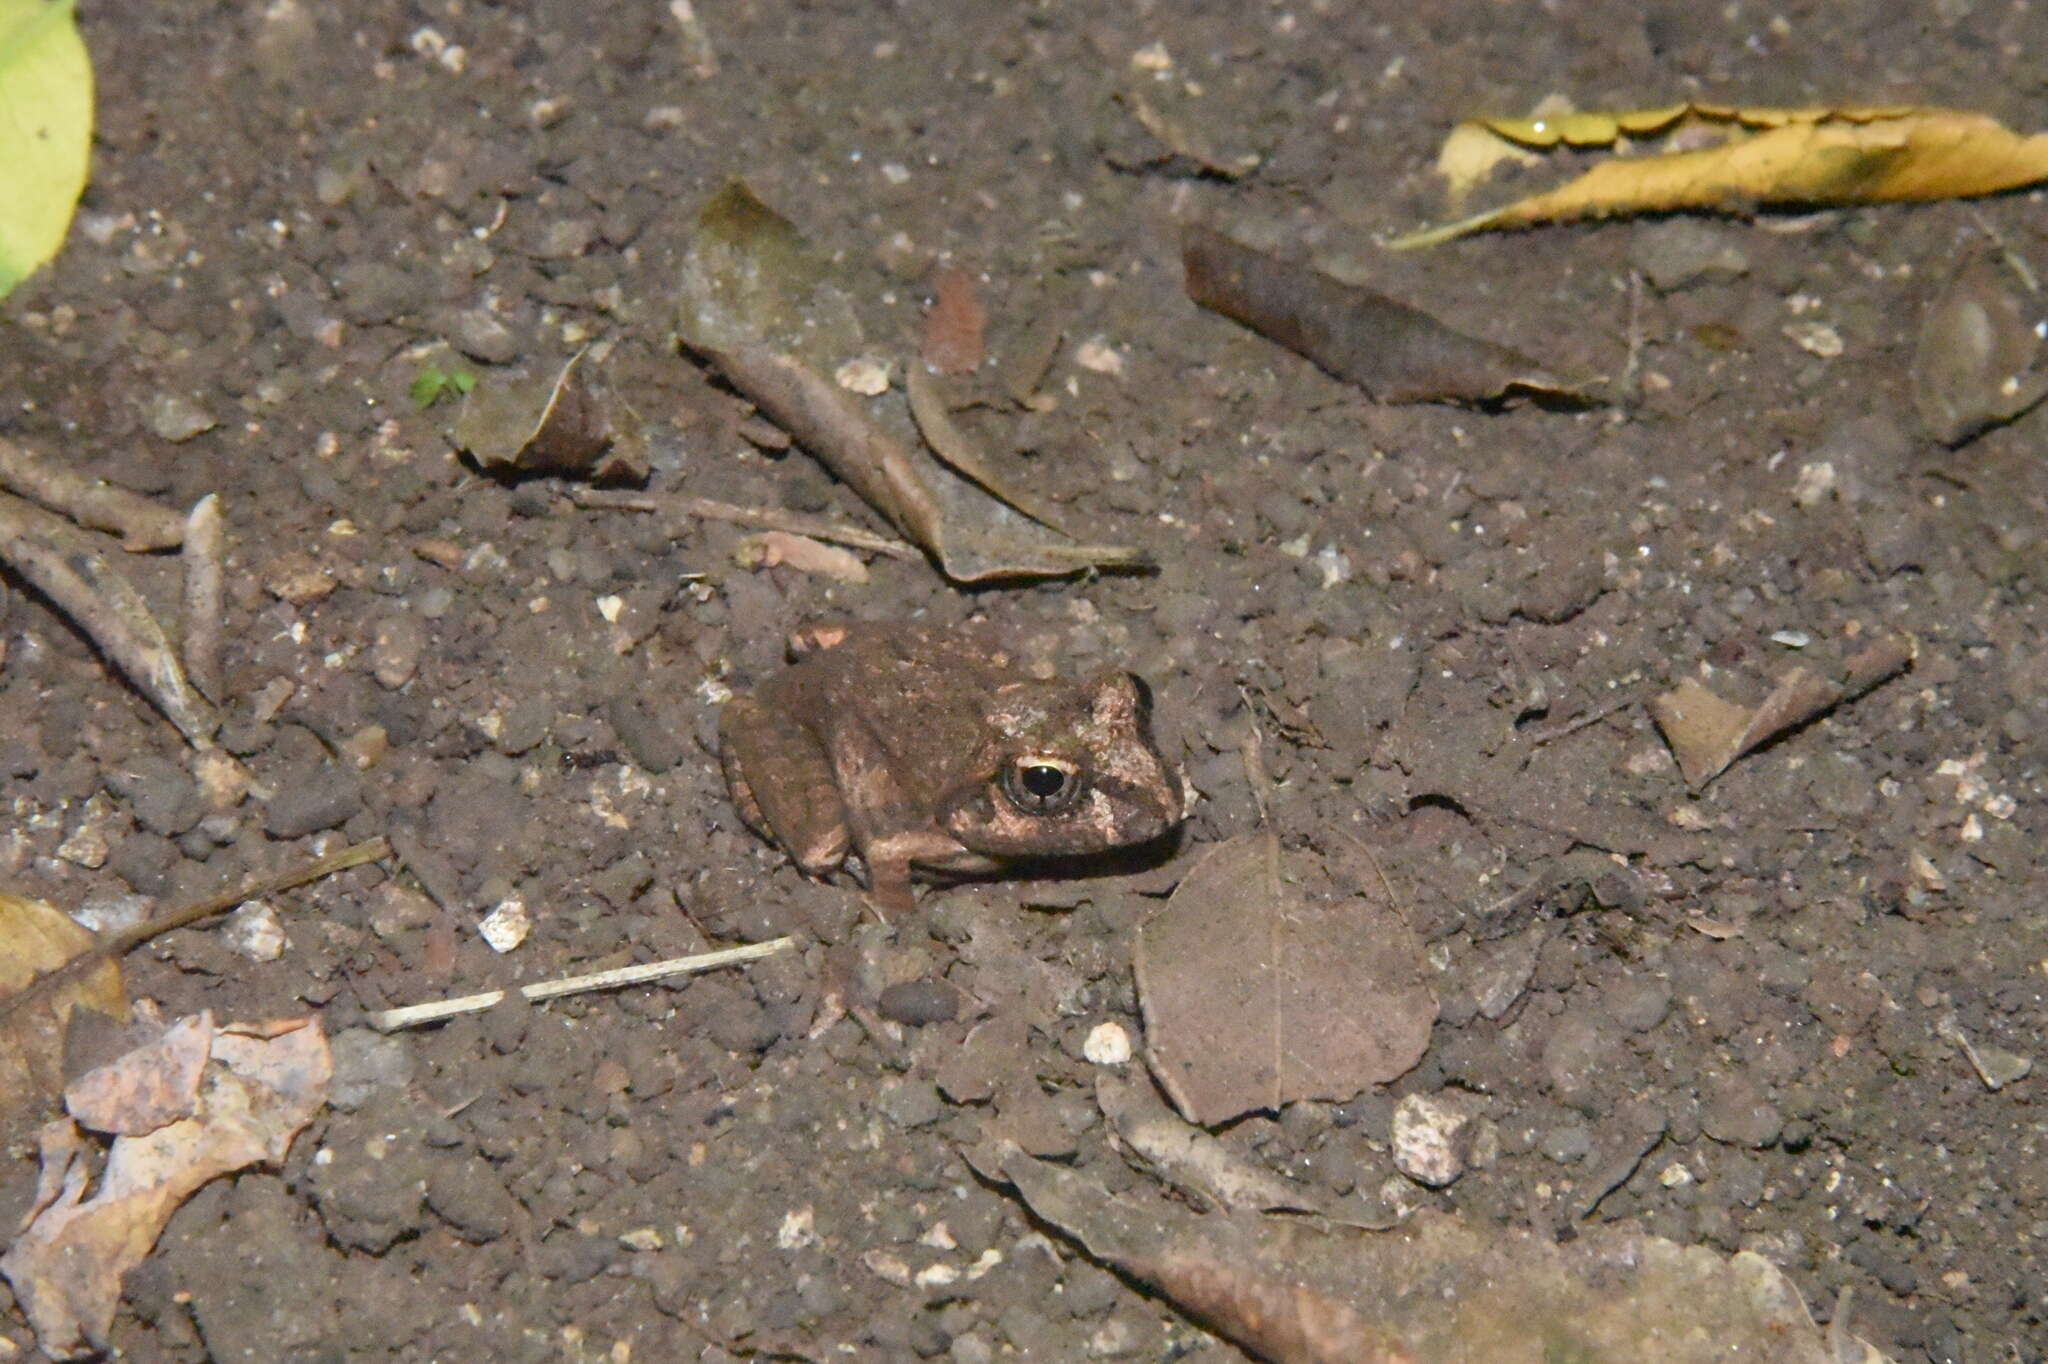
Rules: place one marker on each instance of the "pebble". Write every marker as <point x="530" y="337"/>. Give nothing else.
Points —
<point x="253" y="931"/>
<point x="160" y="794"/>
<point x="506" y="926"/>
<point x="396" y="644"/>
<point x="911" y="1103"/>
<point x="1735" y="1111"/>
<point x="1674" y="254"/>
<point x="175" y="417"/>
<point x="1426" y="1143"/>
<point x="466" y="1193"/>
<point x="919" y="1003"/>
<point x="1107" y="1045"/>
<point x="312" y="799"/>
<point x="366" y="1061"/>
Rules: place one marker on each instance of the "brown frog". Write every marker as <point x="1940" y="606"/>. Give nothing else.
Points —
<point x="923" y="747"/>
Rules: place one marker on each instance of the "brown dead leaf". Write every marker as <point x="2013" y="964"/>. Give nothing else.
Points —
<point x="1973" y="367"/>
<point x="1768" y="156"/>
<point x="763" y="308"/>
<point x="67" y="1265"/>
<point x="1263" y="981"/>
<point x="67" y="566"/>
<point x="568" y="423"/>
<point x="1297" y="1291"/>
<point x="1396" y="353"/>
<point x="1707" y="733"/>
<point x="154" y="1083"/>
<point x="955" y="324"/>
<point x="800" y="552"/>
<point x="36" y="938"/>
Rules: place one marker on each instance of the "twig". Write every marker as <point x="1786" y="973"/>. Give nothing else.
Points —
<point x="411" y="1015"/>
<point x="1592" y="717"/>
<point x="133" y="936"/>
<point x="141" y="523"/>
<point x="767" y="518"/>
<point x="67" y="567"/>
<point x="205" y="549"/>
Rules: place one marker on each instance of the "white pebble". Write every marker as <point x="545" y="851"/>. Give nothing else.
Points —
<point x="1107" y="1045"/>
<point x="505" y="927"/>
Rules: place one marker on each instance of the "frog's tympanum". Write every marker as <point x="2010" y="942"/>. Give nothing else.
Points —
<point x="920" y="747"/>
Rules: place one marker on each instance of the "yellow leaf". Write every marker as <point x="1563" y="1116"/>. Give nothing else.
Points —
<point x="45" y="131"/>
<point x="1773" y="156"/>
<point x="35" y="938"/>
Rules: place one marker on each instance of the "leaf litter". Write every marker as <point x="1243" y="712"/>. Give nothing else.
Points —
<point x="1707" y="732"/>
<point x="191" y="1101"/>
<point x="1301" y="1291"/>
<point x="1263" y="980"/>
<point x="1395" y="352"/>
<point x="1762" y="157"/>
<point x="35" y="939"/>
<point x="759" y="304"/>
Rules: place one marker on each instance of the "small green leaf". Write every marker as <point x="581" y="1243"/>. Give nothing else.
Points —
<point x="45" y="131"/>
<point x="434" y="384"/>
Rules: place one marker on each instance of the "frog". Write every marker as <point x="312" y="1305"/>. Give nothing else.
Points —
<point x="928" y="751"/>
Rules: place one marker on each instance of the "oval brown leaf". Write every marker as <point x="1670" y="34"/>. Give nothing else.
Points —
<point x="1264" y="981"/>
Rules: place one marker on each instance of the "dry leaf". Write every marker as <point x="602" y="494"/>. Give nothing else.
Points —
<point x="1769" y="156"/>
<point x="1298" y="1292"/>
<point x="800" y="552"/>
<point x="67" y="1265"/>
<point x="951" y="444"/>
<point x="1396" y="353"/>
<point x="1972" y="368"/>
<point x="1263" y="983"/>
<point x="759" y="305"/>
<point x="954" y="325"/>
<point x="1707" y="733"/>
<point x="570" y="423"/>
<point x="1189" y="1158"/>
<point x="67" y="567"/>
<point x="36" y="938"/>
<point x="1182" y="135"/>
<point x="154" y="1083"/>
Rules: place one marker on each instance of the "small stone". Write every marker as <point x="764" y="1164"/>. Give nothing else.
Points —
<point x="911" y="1103"/>
<point x="253" y="931"/>
<point x="161" y="796"/>
<point x="1736" y="1112"/>
<point x="1683" y="251"/>
<point x="466" y="1193"/>
<point x="395" y="649"/>
<point x="505" y="927"/>
<point x="1427" y="1141"/>
<point x="1097" y="355"/>
<point x="1107" y="1045"/>
<point x="864" y="375"/>
<point x="1567" y="1144"/>
<point x="396" y="910"/>
<point x="366" y="1061"/>
<point x="313" y="800"/>
<point x="175" y="418"/>
<point x="1816" y="481"/>
<point x="919" y="1003"/>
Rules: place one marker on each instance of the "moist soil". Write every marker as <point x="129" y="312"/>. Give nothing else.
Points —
<point x="1430" y="629"/>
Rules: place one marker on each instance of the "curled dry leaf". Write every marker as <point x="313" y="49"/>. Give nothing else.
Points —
<point x="153" y="1083"/>
<point x="1189" y="1158"/>
<point x="1264" y="981"/>
<point x="570" y="423"/>
<point x="1767" y="156"/>
<point x="253" y="1096"/>
<point x="1396" y="353"/>
<point x="1974" y="365"/>
<point x="1707" y="733"/>
<point x="36" y="938"/>
<point x="757" y="304"/>
<point x="68" y="568"/>
<point x="1303" y="1292"/>
<point x="140" y="523"/>
<point x="800" y="552"/>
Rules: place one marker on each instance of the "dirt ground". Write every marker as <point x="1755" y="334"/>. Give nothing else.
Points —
<point x="1435" y="629"/>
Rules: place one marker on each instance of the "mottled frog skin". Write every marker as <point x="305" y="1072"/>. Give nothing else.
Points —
<point x="923" y="748"/>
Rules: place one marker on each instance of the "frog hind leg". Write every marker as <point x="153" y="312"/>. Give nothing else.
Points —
<point x="782" y="784"/>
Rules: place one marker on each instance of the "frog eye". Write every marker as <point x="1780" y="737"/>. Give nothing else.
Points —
<point x="1041" y="785"/>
